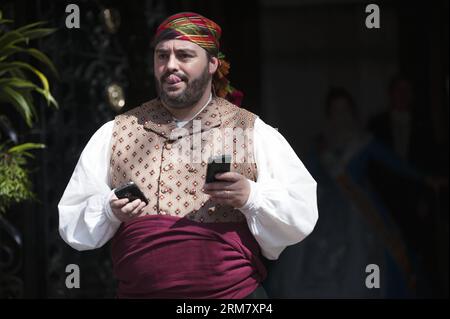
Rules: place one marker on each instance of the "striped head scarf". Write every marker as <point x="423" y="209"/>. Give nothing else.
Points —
<point x="206" y="33"/>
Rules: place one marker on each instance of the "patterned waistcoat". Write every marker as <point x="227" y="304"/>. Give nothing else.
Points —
<point x="169" y="163"/>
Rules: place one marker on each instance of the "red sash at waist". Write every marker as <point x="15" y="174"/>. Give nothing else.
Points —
<point x="161" y="256"/>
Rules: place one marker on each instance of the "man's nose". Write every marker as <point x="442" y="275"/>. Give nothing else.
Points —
<point x="172" y="63"/>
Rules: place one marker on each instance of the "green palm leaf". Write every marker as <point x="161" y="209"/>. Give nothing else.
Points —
<point x="11" y="38"/>
<point x="41" y="57"/>
<point x="23" y="148"/>
<point x="37" y="33"/>
<point x="10" y="95"/>
<point x="30" y="26"/>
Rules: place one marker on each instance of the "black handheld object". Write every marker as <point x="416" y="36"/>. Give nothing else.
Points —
<point x="131" y="191"/>
<point x="217" y="164"/>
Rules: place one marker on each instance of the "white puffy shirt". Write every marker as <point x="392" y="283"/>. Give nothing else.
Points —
<point x="280" y="211"/>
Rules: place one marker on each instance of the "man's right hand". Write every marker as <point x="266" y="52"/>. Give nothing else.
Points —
<point x="125" y="210"/>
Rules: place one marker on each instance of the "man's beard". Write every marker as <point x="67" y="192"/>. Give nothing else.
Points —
<point x="189" y="96"/>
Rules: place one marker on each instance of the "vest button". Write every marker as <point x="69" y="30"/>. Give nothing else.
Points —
<point x="168" y="146"/>
<point x="192" y="191"/>
<point x="165" y="190"/>
<point x="191" y="170"/>
<point x="166" y="168"/>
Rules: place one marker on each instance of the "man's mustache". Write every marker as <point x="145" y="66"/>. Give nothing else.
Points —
<point x="167" y="74"/>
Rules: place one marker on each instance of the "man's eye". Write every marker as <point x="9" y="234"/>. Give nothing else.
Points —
<point x="162" y="56"/>
<point x="185" y="56"/>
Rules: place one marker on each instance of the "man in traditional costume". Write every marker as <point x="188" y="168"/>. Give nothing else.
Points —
<point x="193" y="239"/>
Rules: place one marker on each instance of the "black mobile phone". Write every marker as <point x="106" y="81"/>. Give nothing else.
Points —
<point x="131" y="191"/>
<point x="217" y="164"/>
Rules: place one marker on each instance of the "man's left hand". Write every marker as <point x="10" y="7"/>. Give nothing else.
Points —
<point x="232" y="189"/>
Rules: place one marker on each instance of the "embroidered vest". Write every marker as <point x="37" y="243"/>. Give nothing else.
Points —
<point x="169" y="163"/>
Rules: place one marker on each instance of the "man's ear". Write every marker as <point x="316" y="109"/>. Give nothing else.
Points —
<point x="213" y="65"/>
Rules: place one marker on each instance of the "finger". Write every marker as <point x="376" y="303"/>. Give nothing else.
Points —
<point x="117" y="203"/>
<point x="221" y="194"/>
<point x="229" y="176"/>
<point x="218" y="186"/>
<point x="138" y="209"/>
<point x="131" y="206"/>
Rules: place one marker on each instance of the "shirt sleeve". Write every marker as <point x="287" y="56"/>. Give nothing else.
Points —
<point x="85" y="217"/>
<point x="282" y="207"/>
